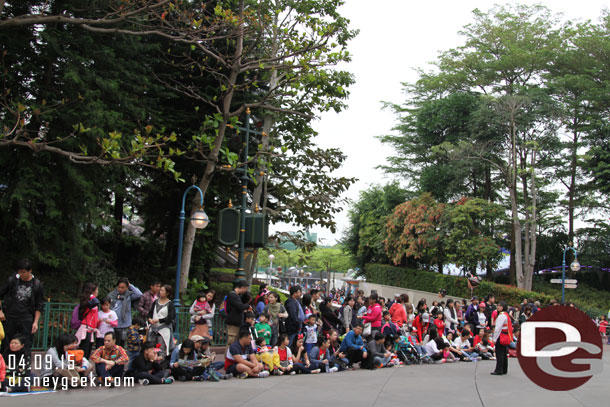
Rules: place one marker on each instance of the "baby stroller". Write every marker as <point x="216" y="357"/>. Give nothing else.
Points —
<point x="407" y="353"/>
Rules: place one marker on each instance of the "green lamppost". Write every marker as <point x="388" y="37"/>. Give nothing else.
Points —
<point x="240" y="273"/>
<point x="574" y="266"/>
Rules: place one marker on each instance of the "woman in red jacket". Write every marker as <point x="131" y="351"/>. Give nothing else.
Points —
<point x="421" y="322"/>
<point x="373" y="314"/>
<point x="398" y="311"/>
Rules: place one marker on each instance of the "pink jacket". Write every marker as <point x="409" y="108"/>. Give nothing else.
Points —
<point x="373" y="315"/>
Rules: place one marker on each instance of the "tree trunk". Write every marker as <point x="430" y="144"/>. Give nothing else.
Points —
<point x="512" y="187"/>
<point x="189" y="236"/>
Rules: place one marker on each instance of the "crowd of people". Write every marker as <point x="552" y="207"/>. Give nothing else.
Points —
<point x="131" y="333"/>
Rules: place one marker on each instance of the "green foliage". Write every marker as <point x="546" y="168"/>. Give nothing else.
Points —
<point x="368" y="216"/>
<point x="195" y="287"/>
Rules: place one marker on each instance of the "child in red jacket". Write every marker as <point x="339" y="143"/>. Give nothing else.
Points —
<point x="440" y="323"/>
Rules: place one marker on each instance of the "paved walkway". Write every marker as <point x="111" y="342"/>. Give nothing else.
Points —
<point x="469" y="384"/>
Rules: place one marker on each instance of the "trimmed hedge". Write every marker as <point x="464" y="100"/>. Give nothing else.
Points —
<point x="458" y="286"/>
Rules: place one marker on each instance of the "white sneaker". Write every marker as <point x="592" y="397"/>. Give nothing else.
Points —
<point x="263" y="374"/>
<point x="315" y="371"/>
<point x="333" y="369"/>
<point x="143" y="382"/>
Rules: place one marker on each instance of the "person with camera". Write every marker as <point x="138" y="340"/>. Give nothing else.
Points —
<point x="121" y="301"/>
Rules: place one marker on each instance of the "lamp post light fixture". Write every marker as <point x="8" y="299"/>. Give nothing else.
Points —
<point x="574" y="266"/>
<point x="199" y="220"/>
<point x="271" y="258"/>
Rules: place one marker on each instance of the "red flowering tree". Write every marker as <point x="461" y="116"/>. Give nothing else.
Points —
<point x="415" y="230"/>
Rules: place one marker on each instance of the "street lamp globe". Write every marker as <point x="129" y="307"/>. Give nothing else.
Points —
<point x="200" y="219"/>
<point x="271" y="257"/>
<point x="575" y="266"/>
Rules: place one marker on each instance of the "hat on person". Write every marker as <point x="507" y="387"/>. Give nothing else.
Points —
<point x="196" y="338"/>
<point x="482" y="305"/>
<point x="425" y="317"/>
<point x="396" y="295"/>
<point x="475" y="298"/>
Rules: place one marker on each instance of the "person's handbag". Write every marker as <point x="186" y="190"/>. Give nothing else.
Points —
<point x="281" y="326"/>
<point x="367" y="329"/>
<point x="504" y="339"/>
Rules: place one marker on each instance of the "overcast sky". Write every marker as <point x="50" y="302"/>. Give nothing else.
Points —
<point x="397" y="37"/>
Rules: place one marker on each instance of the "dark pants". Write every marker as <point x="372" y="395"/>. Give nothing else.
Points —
<point x="354" y="355"/>
<point x="187" y="373"/>
<point x="501" y="359"/>
<point x="155" y="378"/>
<point x="115" y="371"/>
<point x="218" y="365"/>
<point x="121" y="336"/>
<point x="13" y="326"/>
<point x="86" y="344"/>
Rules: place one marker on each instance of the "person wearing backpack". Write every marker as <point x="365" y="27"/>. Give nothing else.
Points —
<point x="21" y="302"/>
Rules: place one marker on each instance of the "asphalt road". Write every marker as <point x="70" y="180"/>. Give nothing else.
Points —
<point x="459" y="384"/>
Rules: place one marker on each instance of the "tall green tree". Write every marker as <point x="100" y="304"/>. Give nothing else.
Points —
<point x="368" y="217"/>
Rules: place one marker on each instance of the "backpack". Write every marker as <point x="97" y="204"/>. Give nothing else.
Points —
<point x="223" y="310"/>
<point x="75" y="322"/>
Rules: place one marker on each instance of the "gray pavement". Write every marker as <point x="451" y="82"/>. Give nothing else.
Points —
<point x="425" y="385"/>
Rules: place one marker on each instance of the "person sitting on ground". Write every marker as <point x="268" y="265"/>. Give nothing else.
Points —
<point x="389" y="328"/>
<point x="263" y="329"/>
<point x="320" y="354"/>
<point x="352" y="345"/>
<point x="146" y="367"/>
<point x="464" y="346"/>
<point x="378" y="356"/>
<point x="265" y="354"/>
<point x="57" y="361"/>
<point x="18" y="365"/>
<point x="413" y="340"/>
<point x="448" y="356"/>
<point x="110" y="359"/>
<point x="285" y="354"/>
<point x="484" y="346"/>
<point x="336" y="356"/>
<point x="432" y="350"/>
<point x="82" y="366"/>
<point x="184" y="363"/>
<point x="202" y="353"/>
<point x="302" y="364"/>
<point x="241" y="360"/>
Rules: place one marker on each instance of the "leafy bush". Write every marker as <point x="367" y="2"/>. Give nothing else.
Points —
<point x="587" y="299"/>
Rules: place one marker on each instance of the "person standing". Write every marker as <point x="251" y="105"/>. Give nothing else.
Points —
<point x="276" y="311"/>
<point x="121" y="299"/>
<point x="88" y="315"/>
<point x="162" y="316"/>
<point x="148" y="298"/>
<point x="235" y="310"/>
<point x="451" y="319"/>
<point x="503" y="327"/>
<point x="296" y="316"/>
<point x="21" y="305"/>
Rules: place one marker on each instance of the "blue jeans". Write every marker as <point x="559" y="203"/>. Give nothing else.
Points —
<point x="377" y="360"/>
<point x="115" y="371"/>
<point x="217" y="365"/>
<point x="471" y="355"/>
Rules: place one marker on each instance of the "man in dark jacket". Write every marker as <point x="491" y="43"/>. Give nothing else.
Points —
<point x="471" y="313"/>
<point x="235" y="310"/>
<point x="378" y="356"/>
<point x="294" y="322"/>
<point x="22" y="303"/>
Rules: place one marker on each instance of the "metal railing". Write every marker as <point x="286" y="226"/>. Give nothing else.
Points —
<point x="56" y="317"/>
